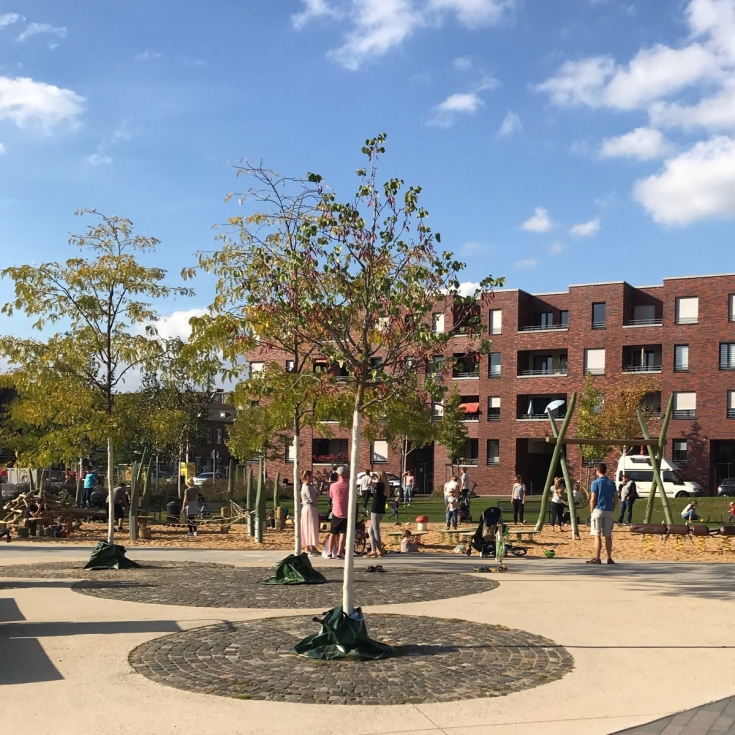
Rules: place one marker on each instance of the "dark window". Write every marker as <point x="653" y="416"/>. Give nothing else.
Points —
<point x="494" y="365"/>
<point x="493" y="451"/>
<point x="598" y="315"/>
<point x="544" y="319"/>
<point x="493" y="408"/>
<point x="727" y="355"/>
<point x="679" y="453"/>
<point x="564" y="318"/>
<point x="681" y="358"/>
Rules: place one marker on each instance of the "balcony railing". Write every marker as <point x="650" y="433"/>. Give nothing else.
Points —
<point x="644" y="323"/>
<point x="727" y="365"/>
<point x="467" y="462"/>
<point x="538" y="416"/>
<point x="685" y="413"/>
<point x="471" y="416"/>
<point x="687" y="320"/>
<point x="594" y="371"/>
<point x="681" y="367"/>
<point x="330" y="458"/>
<point x="641" y="368"/>
<point x="493" y="414"/>
<point x="546" y="371"/>
<point x="493" y="461"/>
<point x="598" y="325"/>
<point x="495" y="373"/>
<point x="657" y="414"/>
<point x="464" y="376"/>
<point x="437" y="417"/>
<point x="544" y="328"/>
<point x="731" y="413"/>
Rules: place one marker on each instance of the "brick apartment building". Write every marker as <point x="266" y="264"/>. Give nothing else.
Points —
<point x="543" y="345"/>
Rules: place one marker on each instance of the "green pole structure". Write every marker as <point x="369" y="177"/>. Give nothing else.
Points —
<point x="259" y="498"/>
<point x="249" y="504"/>
<point x="567" y="480"/>
<point x="554" y="461"/>
<point x="230" y="481"/>
<point x="655" y="454"/>
<point x="147" y="488"/>
<point x="133" y="513"/>
<point x="276" y="486"/>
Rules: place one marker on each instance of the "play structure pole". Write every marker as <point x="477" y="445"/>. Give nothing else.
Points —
<point x="554" y="461"/>
<point x="567" y="480"/>
<point x="655" y="454"/>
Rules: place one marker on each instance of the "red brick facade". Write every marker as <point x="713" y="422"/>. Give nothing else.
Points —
<point x="639" y="333"/>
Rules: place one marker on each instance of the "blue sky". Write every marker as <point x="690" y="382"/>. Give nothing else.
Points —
<point x="556" y="141"/>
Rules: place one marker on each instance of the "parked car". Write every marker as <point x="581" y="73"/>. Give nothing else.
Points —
<point x="727" y="488"/>
<point x="208" y="477"/>
<point x="638" y="469"/>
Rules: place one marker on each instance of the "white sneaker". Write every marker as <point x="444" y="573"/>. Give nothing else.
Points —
<point x="195" y="533"/>
<point x="325" y="555"/>
<point x="335" y="556"/>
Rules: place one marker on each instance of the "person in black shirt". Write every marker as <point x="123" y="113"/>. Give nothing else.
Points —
<point x="377" y="511"/>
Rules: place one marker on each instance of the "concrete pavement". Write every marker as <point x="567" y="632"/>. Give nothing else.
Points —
<point x="648" y="640"/>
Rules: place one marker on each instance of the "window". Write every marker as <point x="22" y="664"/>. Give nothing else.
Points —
<point x="644" y="314"/>
<point x="543" y="364"/>
<point x="437" y="411"/>
<point x="219" y="436"/>
<point x="209" y="435"/>
<point x="731" y="404"/>
<point x="731" y="308"/>
<point x="379" y="452"/>
<point x="679" y="453"/>
<point x="470" y="453"/>
<point x="727" y="355"/>
<point x="493" y="451"/>
<point x="594" y="362"/>
<point x="438" y="322"/>
<point x="687" y="310"/>
<point x="681" y="358"/>
<point x="496" y="321"/>
<point x="598" y="315"/>
<point x="685" y="405"/>
<point x="493" y="362"/>
<point x="564" y="318"/>
<point x="376" y="362"/>
<point x="290" y="366"/>
<point x="437" y="364"/>
<point x="544" y="320"/>
<point x="291" y="451"/>
<point x="493" y="408"/>
<point x="256" y="367"/>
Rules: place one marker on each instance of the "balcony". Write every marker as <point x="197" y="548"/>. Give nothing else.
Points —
<point x="493" y="414"/>
<point x="685" y="413"/>
<point x="644" y="358"/>
<point x="549" y="363"/>
<point x="467" y="462"/>
<point x="560" y="371"/>
<point x="533" y="407"/>
<point x="545" y="328"/>
<point x="539" y="416"/>
<point x="653" y="322"/>
<point x="641" y="368"/>
<point x="466" y="367"/>
<point x="471" y="408"/>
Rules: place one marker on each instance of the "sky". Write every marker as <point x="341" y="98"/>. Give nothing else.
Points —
<point x="556" y="141"/>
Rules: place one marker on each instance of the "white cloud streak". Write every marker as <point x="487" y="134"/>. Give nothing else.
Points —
<point x="539" y="222"/>
<point x="642" y="144"/>
<point x="511" y="124"/>
<point x="29" y="103"/>
<point x="524" y="265"/>
<point x="586" y="229"/>
<point x="7" y="19"/>
<point x="148" y="55"/>
<point x="99" y="159"/>
<point x="37" y="29"/>
<point x="313" y="10"/>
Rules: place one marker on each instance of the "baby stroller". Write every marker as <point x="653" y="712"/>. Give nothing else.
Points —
<point x="464" y="515"/>
<point x="489" y="538"/>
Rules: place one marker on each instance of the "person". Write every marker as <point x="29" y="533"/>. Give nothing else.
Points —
<point x="448" y="487"/>
<point x="464" y="482"/>
<point x="557" y="503"/>
<point x="191" y="506"/>
<point x="518" y="498"/>
<point x="732" y="512"/>
<point x="689" y="513"/>
<point x="628" y="496"/>
<point x="98" y="499"/>
<point x="6" y="532"/>
<point x="394" y="509"/>
<point x="30" y="513"/>
<point x="309" y="514"/>
<point x="376" y="515"/>
<point x="333" y="475"/>
<point x="121" y="503"/>
<point x="409" y="545"/>
<point x="452" y="508"/>
<point x="408" y="481"/>
<point x="339" y="492"/>
<point x="603" y="497"/>
<point x="90" y="482"/>
<point x="366" y="488"/>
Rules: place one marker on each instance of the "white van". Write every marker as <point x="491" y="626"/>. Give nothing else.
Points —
<point x="638" y="468"/>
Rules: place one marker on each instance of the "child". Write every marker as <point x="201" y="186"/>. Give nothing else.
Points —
<point x="452" y="509"/>
<point x="409" y="545"/>
<point x="394" y="509"/>
<point x="732" y="512"/>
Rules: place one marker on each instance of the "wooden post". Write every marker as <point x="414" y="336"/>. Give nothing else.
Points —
<point x="147" y="486"/>
<point x="568" y="481"/>
<point x="655" y="454"/>
<point x="554" y="461"/>
<point x="230" y="481"/>
<point x="260" y="505"/>
<point x="275" y="490"/>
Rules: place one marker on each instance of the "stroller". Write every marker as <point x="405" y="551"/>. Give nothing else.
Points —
<point x="489" y="538"/>
<point x="464" y="515"/>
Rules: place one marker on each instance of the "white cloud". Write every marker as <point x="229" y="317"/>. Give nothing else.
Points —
<point x="556" y="248"/>
<point x="510" y="125"/>
<point x="99" y="159"/>
<point x="27" y="102"/>
<point x="7" y="19"/>
<point x="460" y="103"/>
<point x="643" y="144"/>
<point x="524" y="265"/>
<point x="712" y="113"/>
<point x="468" y="288"/>
<point x="379" y="26"/>
<point x="147" y="55"/>
<point x="313" y="9"/>
<point x="462" y="63"/>
<point x="586" y="229"/>
<point x="123" y="133"/>
<point x="3" y="149"/>
<point x="36" y="29"/>
<point x="539" y="222"/>
<point x="176" y="324"/>
<point x="192" y="63"/>
<point x="696" y="185"/>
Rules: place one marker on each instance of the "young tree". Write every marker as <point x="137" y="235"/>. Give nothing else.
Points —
<point x="452" y="432"/>
<point x="102" y="303"/>
<point x="376" y="278"/>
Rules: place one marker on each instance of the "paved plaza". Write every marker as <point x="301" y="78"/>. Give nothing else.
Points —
<point x="552" y="646"/>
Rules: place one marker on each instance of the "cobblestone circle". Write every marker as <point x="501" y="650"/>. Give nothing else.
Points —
<point x="219" y="585"/>
<point x="435" y="661"/>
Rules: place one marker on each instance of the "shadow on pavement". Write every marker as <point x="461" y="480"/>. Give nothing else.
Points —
<point x="47" y="630"/>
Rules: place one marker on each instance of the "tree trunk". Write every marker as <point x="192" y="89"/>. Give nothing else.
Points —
<point x="133" y="512"/>
<point x="249" y="504"/>
<point x="80" y="485"/>
<point x="296" y="488"/>
<point x="259" y="503"/>
<point x="347" y="598"/>
<point x="110" y="496"/>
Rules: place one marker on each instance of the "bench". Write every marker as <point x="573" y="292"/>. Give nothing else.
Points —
<point x="397" y="535"/>
<point x="447" y="534"/>
<point x="520" y="533"/>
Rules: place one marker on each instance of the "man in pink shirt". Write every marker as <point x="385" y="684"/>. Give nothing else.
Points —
<point x="339" y="492"/>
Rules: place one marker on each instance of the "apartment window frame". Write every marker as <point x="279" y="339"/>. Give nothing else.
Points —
<point x="598" y="323"/>
<point x="437" y="322"/>
<point x="495" y="324"/>
<point x="594" y="370"/>
<point x="493" y="408"/>
<point x="256" y="368"/>
<point x="679" y="364"/>
<point x="689" y="410"/>
<point x="731" y="307"/>
<point x="490" y="372"/>
<point x="731" y="404"/>
<point x="290" y="452"/>
<point x="688" y="301"/>
<point x="492" y="458"/>
<point x="290" y="366"/>
<point x="727" y="355"/>
<point x="219" y="436"/>
<point x="375" y="456"/>
<point x="471" y="447"/>
<point x="564" y="318"/>
<point x="679" y="455"/>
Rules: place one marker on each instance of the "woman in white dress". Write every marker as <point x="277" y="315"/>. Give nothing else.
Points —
<point x="309" y="514"/>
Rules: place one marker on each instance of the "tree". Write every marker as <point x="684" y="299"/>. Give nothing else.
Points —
<point x="375" y="280"/>
<point x="102" y="304"/>
<point x="589" y="424"/>
<point x="452" y="432"/>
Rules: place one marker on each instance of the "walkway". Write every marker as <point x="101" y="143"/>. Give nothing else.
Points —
<point x="715" y="718"/>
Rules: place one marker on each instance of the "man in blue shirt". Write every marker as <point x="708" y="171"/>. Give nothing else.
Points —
<point x="90" y="482"/>
<point x="602" y="504"/>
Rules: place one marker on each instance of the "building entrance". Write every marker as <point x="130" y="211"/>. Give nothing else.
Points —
<point x="723" y="460"/>
<point x="421" y="462"/>
<point x="533" y="459"/>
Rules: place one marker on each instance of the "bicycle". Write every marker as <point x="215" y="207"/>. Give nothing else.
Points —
<point x="360" y="538"/>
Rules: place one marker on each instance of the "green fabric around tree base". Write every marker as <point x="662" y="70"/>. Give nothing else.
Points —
<point x="295" y="569"/>
<point x="109" y="556"/>
<point x="342" y="637"/>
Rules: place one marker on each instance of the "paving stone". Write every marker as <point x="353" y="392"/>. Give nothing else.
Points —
<point x="709" y="719"/>
<point x="264" y="668"/>
<point x="220" y="585"/>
